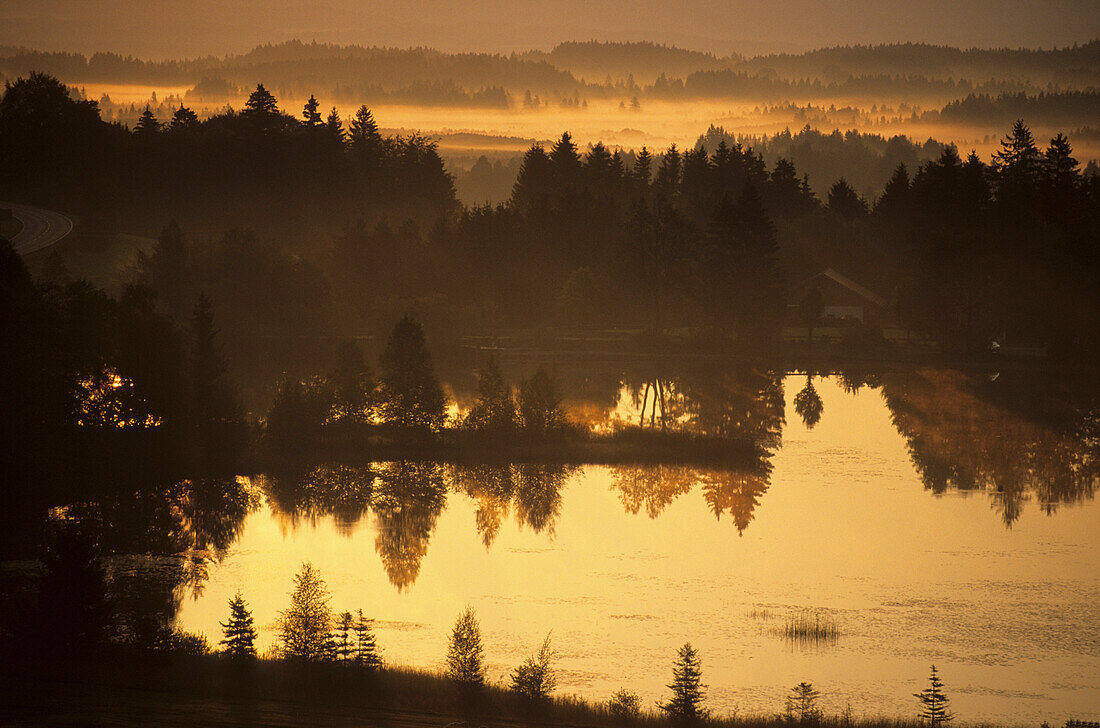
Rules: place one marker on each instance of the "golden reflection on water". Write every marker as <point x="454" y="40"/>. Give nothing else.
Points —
<point x="1011" y="616"/>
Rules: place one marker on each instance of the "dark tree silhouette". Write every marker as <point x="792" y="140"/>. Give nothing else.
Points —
<point x="688" y="692"/>
<point x="808" y="405"/>
<point x="147" y="125"/>
<point x="539" y="405"/>
<point x="366" y="651"/>
<point x="412" y="397"/>
<point x="466" y="655"/>
<point x="494" y="413"/>
<point x="261" y="102"/>
<point x="305" y="626"/>
<point x="845" y="201"/>
<point x="535" y="678"/>
<point x="311" y="114"/>
<point x="802" y="703"/>
<point x="239" y="633"/>
<point x="934" y="702"/>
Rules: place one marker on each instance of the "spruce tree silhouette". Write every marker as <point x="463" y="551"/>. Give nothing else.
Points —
<point x="239" y="633"/>
<point x="686" y="704"/>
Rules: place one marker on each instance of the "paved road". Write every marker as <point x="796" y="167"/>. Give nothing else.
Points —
<point x="41" y="228"/>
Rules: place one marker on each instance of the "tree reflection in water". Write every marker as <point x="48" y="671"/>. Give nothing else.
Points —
<point x="1011" y="437"/>
<point x="406" y="506"/>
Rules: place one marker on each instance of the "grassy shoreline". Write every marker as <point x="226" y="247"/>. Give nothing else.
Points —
<point x="135" y="689"/>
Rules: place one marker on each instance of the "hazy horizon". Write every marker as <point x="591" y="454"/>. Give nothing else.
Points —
<point x="173" y="29"/>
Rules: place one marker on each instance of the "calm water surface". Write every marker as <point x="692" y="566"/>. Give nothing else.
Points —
<point x="633" y="562"/>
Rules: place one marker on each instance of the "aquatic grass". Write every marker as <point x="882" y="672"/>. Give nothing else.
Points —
<point x="760" y="614"/>
<point x="809" y="627"/>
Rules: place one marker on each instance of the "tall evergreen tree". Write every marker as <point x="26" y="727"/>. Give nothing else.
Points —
<point x="311" y="113"/>
<point x="147" y="124"/>
<point x="802" y="703"/>
<point x="334" y="126"/>
<point x="412" y="396"/>
<point x="494" y="413"/>
<point x="535" y="678"/>
<point x="366" y="651"/>
<point x="466" y="654"/>
<point x="261" y="102"/>
<point x="239" y="631"/>
<point x="535" y="180"/>
<point x="934" y="702"/>
<point x="643" y="167"/>
<point x="669" y="171"/>
<point x="364" y="138"/>
<point x="688" y="692"/>
<point x="845" y="201"/>
<point x="345" y="641"/>
<point x="184" y="119"/>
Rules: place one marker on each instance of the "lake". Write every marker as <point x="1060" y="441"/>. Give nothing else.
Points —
<point x="926" y="516"/>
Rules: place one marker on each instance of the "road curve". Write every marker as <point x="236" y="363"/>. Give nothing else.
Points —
<point x="41" y="228"/>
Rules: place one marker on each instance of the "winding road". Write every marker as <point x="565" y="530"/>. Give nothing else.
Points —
<point x="41" y="228"/>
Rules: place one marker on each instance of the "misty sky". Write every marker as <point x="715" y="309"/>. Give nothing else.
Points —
<point x="174" y="28"/>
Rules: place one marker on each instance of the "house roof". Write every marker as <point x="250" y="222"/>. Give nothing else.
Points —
<point x="848" y="283"/>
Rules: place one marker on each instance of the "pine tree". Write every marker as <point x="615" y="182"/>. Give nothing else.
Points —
<point x="1059" y="167"/>
<point x="345" y="649"/>
<point x="311" y="112"/>
<point x="466" y="655"/>
<point x="845" y="201"/>
<point x="334" y="125"/>
<point x="534" y="181"/>
<point x="366" y="651"/>
<point x="184" y="119"/>
<point x="539" y="406"/>
<point x="239" y="631"/>
<point x="261" y="102"/>
<point x="802" y="703"/>
<point x="365" y="139"/>
<point x="535" y="678"/>
<point x="494" y="413"/>
<point x="305" y="627"/>
<point x="643" y="167"/>
<point x="686" y="704"/>
<point x="565" y="161"/>
<point x="412" y="396"/>
<point x="934" y="702"/>
<point x="147" y="125"/>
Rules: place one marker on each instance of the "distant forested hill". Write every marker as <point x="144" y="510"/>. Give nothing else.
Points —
<point x="422" y="75"/>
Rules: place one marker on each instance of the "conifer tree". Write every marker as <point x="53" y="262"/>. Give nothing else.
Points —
<point x="364" y="138"/>
<point x="305" y="627"/>
<point x="802" y="703"/>
<point x="686" y="703"/>
<point x="466" y="655"/>
<point x="565" y="160"/>
<point x="668" y="174"/>
<point x="366" y="650"/>
<point x="643" y="167"/>
<point x="147" y="124"/>
<point x="539" y="405"/>
<point x="184" y="119"/>
<point x="311" y="112"/>
<point x="239" y="631"/>
<point x="934" y="702"/>
<point x="412" y="396"/>
<point x="494" y="413"/>
<point x="345" y="647"/>
<point x="334" y="125"/>
<point x="261" y="102"/>
<point x="535" y="678"/>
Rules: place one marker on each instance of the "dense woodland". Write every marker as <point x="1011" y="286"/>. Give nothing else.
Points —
<point x="352" y="229"/>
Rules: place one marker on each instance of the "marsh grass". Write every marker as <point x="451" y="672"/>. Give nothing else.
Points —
<point x="760" y="614"/>
<point x="811" y="627"/>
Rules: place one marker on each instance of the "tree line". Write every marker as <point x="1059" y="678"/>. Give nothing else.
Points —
<point x="309" y="632"/>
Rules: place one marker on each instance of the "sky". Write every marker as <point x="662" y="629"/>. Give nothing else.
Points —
<point x="179" y="28"/>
